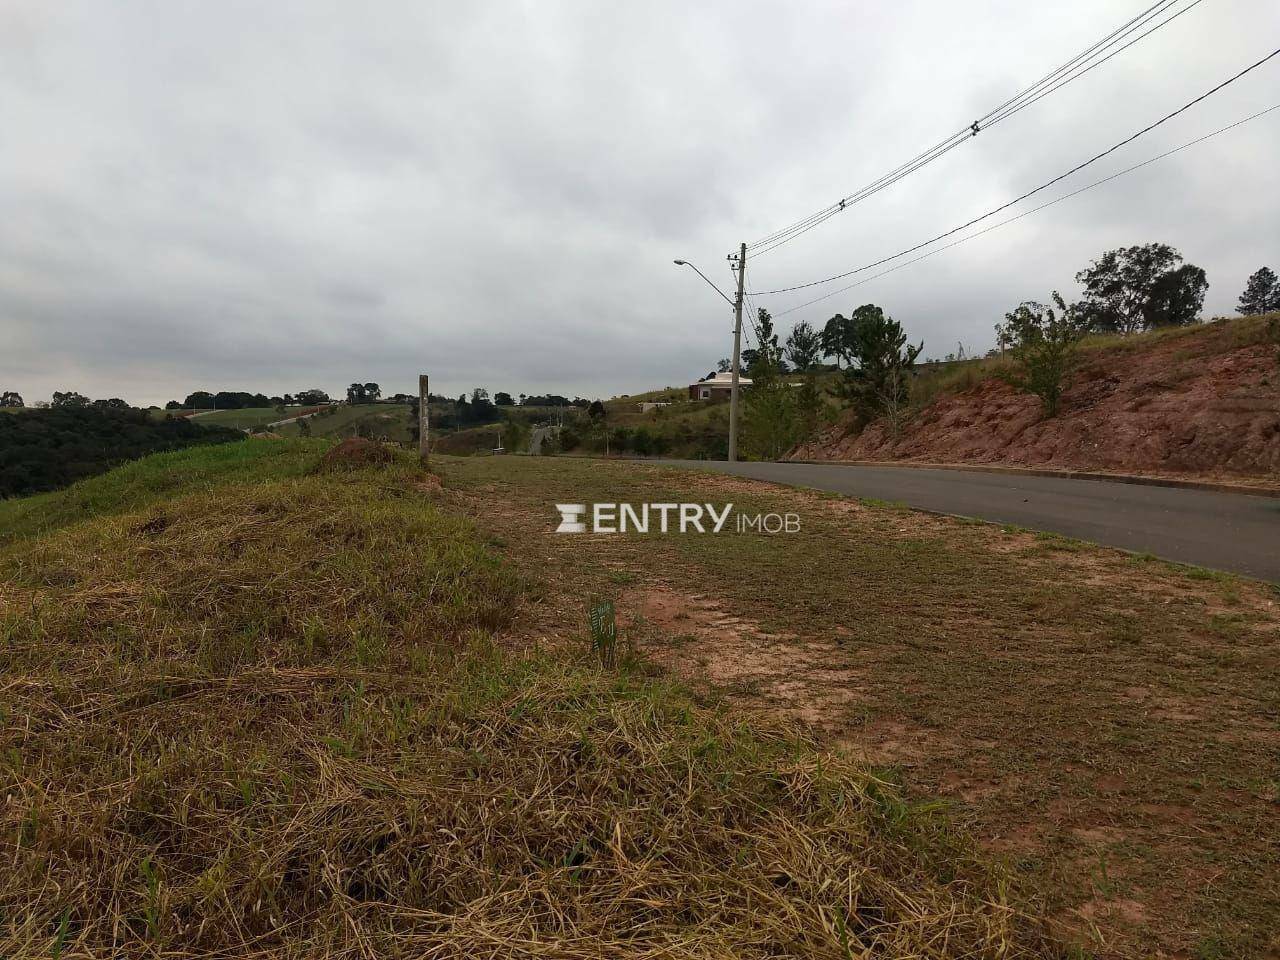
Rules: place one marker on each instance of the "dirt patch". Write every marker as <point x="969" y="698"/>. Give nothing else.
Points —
<point x="1205" y="404"/>
<point x="353" y="453"/>
<point x="693" y="635"/>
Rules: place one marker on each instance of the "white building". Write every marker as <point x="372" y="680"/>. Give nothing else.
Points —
<point x="717" y="387"/>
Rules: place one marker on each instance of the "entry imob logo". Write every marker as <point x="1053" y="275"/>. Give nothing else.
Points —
<point x="571" y="518"/>
<point x="670" y="518"/>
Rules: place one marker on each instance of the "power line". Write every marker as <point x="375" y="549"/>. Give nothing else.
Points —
<point x="1073" y="69"/>
<point x="1027" y="213"/>
<point x="1099" y="63"/>
<point x="1029" y="193"/>
<point x="964" y="134"/>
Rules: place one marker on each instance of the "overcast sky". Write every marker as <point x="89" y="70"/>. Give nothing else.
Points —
<point x="239" y="195"/>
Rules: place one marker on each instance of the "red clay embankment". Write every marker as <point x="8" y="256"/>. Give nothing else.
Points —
<point x="1199" y="403"/>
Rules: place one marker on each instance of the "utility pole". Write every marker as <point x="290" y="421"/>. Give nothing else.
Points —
<point x="737" y="341"/>
<point x="737" y="353"/>
<point x="424" y="401"/>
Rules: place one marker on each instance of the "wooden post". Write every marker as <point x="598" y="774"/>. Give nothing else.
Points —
<point x="424" y="403"/>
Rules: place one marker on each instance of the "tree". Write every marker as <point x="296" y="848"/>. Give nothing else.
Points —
<point x="804" y="347"/>
<point x="770" y="425"/>
<point x="724" y="366"/>
<point x="355" y="393"/>
<point x="877" y="381"/>
<point x="11" y="398"/>
<point x="809" y="407"/>
<point x="836" y="338"/>
<point x="372" y="392"/>
<point x="642" y="441"/>
<point x="312" y="398"/>
<point x="503" y="399"/>
<point x="236" y="400"/>
<point x="199" y="400"/>
<point x="1261" y="294"/>
<point x="767" y="349"/>
<point x="115" y="403"/>
<point x="1177" y="297"/>
<point x="482" y="408"/>
<point x="1044" y="348"/>
<point x="1136" y="288"/>
<point x="69" y="399"/>
<point x="596" y="411"/>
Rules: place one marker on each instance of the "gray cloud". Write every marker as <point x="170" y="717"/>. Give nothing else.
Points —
<point x="273" y="197"/>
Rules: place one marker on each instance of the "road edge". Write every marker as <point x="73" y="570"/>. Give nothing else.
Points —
<point x="1138" y="479"/>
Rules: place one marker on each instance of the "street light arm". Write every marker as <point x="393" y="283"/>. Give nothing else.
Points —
<point x="686" y="263"/>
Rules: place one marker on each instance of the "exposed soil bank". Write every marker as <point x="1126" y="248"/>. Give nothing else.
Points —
<point x="1200" y="403"/>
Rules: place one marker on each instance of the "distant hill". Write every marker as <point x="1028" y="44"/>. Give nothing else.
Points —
<point x="379" y="421"/>
<point x="1193" y="401"/>
<point x="48" y="449"/>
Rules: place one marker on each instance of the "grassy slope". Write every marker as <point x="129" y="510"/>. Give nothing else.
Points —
<point x="136" y="485"/>
<point x="381" y="420"/>
<point x="243" y="419"/>
<point x="1106" y="721"/>
<point x="159" y="413"/>
<point x="249" y="707"/>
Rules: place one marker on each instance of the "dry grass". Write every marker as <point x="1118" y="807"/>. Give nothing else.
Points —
<point x="275" y="713"/>
<point x="1106" y="722"/>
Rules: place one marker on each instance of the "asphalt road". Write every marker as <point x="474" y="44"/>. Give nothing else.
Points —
<point x="1223" y="531"/>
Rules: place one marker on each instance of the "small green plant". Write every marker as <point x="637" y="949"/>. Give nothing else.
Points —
<point x="1102" y="878"/>
<point x="1044" y="349"/>
<point x="1210" y="948"/>
<point x="602" y="619"/>
<point x="152" y="910"/>
<point x="60" y="938"/>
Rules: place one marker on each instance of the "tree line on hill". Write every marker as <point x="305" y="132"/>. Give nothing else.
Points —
<point x="357" y="393"/>
<point x="69" y="399"/>
<point x="241" y="400"/>
<point x="1125" y="291"/>
<point x="47" y="449"/>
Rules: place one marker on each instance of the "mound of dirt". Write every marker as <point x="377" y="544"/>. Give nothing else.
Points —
<point x="1205" y="403"/>
<point x="355" y="452"/>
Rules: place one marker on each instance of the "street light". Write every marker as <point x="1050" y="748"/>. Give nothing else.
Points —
<point x="723" y="295"/>
<point x="737" y="343"/>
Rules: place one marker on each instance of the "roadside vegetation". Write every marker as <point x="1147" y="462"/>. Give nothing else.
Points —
<point x="261" y="699"/>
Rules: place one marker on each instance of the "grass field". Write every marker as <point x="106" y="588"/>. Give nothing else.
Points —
<point x="249" y="418"/>
<point x="381" y="421"/>
<point x="254" y="703"/>
<point x="159" y="414"/>
<point x="1107" y="724"/>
